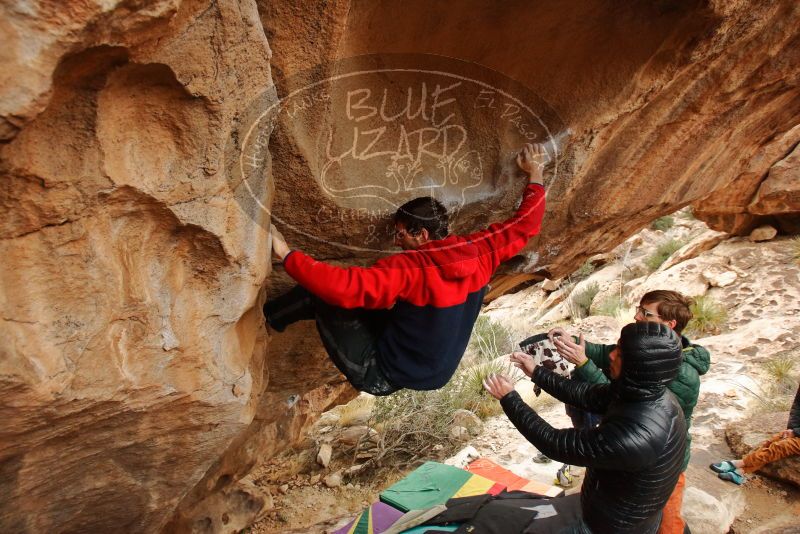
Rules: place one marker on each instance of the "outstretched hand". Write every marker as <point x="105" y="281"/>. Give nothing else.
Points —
<point x="569" y="350"/>
<point x="279" y="246"/>
<point x="524" y="362"/>
<point x="498" y="385"/>
<point x="532" y="159"/>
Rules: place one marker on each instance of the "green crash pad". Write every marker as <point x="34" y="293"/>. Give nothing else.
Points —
<point x="433" y="483"/>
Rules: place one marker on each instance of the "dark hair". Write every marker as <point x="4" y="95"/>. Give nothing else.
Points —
<point x="671" y="306"/>
<point x="423" y="212"/>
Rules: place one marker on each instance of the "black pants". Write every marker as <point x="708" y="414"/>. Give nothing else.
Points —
<point x="350" y="336"/>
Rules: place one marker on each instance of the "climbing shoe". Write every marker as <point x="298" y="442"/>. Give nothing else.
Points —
<point x="541" y="459"/>
<point x="723" y="467"/>
<point x="732" y="476"/>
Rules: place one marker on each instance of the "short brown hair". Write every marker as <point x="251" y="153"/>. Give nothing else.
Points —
<point x="671" y="306"/>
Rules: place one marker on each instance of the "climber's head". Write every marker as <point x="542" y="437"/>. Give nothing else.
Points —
<point x="419" y="221"/>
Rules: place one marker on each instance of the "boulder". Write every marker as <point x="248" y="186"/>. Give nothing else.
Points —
<point x="354" y="435"/>
<point x="550" y="285"/>
<point x="710" y="505"/>
<point x="719" y="277"/>
<point x="702" y="243"/>
<point x="468" y="420"/>
<point x="459" y="433"/>
<point x="334" y="480"/>
<point x="763" y="233"/>
<point x="324" y="454"/>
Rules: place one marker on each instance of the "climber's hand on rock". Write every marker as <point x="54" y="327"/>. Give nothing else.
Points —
<point x="532" y="159"/>
<point x="279" y="246"/>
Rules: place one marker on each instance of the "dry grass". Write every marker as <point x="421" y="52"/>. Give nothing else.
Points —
<point x="580" y="302"/>
<point x="662" y="252"/>
<point x="709" y="317"/>
<point x="663" y="223"/>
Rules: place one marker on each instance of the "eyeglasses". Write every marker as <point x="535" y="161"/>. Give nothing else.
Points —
<point x="647" y="314"/>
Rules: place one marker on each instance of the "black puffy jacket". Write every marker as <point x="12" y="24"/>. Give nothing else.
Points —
<point x="634" y="456"/>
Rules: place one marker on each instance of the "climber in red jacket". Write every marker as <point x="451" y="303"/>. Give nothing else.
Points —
<point x="405" y="321"/>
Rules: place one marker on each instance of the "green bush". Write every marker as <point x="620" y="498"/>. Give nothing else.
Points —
<point x="663" y="223"/>
<point x="611" y="306"/>
<point x="781" y="370"/>
<point x="583" y="272"/>
<point x="580" y="302"/>
<point x="662" y="252"/>
<point x="489" y="339"/>
<point x="708" y="317"/>
<point x="411" y="423"/>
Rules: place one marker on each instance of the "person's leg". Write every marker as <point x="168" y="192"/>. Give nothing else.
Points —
<point x="350" y="336"/>
<point x="671" y="521"/>
<point x="772" y="451"/>
<point x="295" y="305"/>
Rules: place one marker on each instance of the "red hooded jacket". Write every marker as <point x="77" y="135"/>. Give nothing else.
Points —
<point x="434" y="292"/>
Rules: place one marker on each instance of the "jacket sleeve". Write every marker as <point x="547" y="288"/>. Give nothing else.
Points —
<point x="503" y="240"/>
<point x="375" y="287"/>
<point x="592" y="371"/>
<point x="594" y="398"/>
<point x="794" y="415"/>
<point x="608" y="446"/>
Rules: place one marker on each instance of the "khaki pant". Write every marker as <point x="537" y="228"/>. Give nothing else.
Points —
<point x="772" y="450"/>
<point x="671" y="521"/>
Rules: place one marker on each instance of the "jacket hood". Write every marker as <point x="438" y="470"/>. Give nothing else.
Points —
<point x="696" y="356"/>
<point x="454" y="256"/>
<point x="651" y="359"/>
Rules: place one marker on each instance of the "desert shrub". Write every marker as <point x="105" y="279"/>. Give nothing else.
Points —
<point x="781" y="370"/>
<point x="708" y="317"/>
<point x="662" y="252"/>
<point x="489" y="339"/>
<point x="611" y="306"/>
<point x="583" y="272"/>
<point x="579" y="302"/>
<point x="354" y="411"/>
<point x="411" y="423"/>
<point x="663" y="223"/>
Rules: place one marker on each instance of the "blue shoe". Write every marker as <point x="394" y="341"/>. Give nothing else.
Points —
<point x="732" y="476"/>
<point x="723" y="467"/>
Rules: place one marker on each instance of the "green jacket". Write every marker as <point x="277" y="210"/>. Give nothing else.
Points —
<point x="696" y="361"/>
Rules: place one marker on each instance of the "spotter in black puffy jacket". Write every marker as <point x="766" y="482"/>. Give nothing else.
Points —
<point x="634" y="456"/>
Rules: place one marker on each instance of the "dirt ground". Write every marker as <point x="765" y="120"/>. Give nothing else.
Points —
<point x="772" y="508"/>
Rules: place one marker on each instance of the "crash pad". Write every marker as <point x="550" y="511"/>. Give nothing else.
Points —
<point x="434" y="483"/>
<point x="491" y="470"/>
<point x="373" y="520"/>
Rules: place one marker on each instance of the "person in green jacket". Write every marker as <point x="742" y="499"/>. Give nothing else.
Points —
<point x="592" y="364"/>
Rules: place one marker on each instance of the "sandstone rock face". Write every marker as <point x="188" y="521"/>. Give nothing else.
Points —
<point x="687" y="109"/>
<point x="135" y="382"/>
<point x="133" y="355"/>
